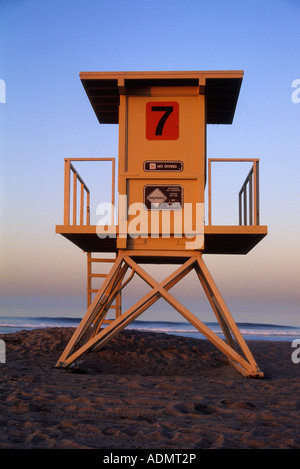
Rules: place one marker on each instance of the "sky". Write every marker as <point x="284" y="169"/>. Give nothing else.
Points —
<point x="45" y="116"/>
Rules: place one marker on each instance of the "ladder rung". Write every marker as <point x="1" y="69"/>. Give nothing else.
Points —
<point x="95" y="290"/>
<point x="102" y="260"/>
<point x="98" y="275"/>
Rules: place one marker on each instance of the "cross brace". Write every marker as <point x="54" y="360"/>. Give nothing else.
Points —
<point x="90" y="336"/>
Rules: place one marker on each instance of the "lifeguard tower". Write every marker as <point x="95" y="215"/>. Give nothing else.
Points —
<point x="162" y="175"/>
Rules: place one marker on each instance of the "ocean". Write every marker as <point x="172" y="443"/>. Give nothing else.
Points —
<point x="250" y="331"/>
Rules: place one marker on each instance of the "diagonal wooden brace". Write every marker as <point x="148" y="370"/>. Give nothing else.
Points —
<point x="248" y="366"/>
<point x="100" y="339"/>
<point x="92" y="311"/>
<point x="244" y="362"/>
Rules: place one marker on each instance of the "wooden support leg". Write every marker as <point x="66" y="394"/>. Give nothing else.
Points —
<point x="248" y="366"/>
<point x="110" y="331"/>
<point x="227" y="318"/>
<point x="245" y="364"/>
<point x="224" y="326"/>
<point x="111" y="296"/>
<point x="92" y="311"/>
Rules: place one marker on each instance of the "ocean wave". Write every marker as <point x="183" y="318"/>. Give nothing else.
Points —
<point x="248" y="330"/>
<point x="183" y="331"/>
<point x="251" y="331"/>
<point x="18" y="323"/>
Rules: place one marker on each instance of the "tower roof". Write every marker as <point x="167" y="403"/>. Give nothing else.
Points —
<point x="220" y="87"/>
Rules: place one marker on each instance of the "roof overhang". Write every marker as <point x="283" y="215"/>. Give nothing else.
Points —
<point x="221" y="89"/>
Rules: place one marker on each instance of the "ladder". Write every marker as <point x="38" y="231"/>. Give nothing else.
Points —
<point x="92" y="290"/>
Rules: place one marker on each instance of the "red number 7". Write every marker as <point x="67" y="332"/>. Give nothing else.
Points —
<point x="167" y="112"/>
<point x="163" y="126"/>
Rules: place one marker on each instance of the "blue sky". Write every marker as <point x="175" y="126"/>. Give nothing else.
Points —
<point x="47" y="117"/>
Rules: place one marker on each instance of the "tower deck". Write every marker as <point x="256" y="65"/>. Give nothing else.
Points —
<point x="218" y="239"/>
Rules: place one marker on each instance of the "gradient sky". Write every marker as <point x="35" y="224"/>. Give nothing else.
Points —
<point x="47" y="117"/>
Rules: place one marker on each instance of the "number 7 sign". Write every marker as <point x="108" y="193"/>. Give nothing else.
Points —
<point x="162" y="120"/>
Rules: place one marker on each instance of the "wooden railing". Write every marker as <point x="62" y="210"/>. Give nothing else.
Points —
<point x="71" y="206"/>
<point x="248" y="196"/>
<point x="249" y="209"/>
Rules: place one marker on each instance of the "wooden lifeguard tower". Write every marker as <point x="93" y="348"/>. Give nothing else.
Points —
<point x="162" y="175"/>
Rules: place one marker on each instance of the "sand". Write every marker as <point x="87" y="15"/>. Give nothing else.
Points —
<point x="145" y="391"/>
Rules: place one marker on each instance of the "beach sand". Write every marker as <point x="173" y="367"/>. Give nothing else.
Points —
<point x="145" y="391"/>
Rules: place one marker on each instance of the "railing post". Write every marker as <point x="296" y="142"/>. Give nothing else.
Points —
<point x="209" y="192"/>
<point x="87" y="207"/>
<point x="81" y="202"/>
<point x="113" y="192"/>
<point x="250" y="198"/>
<point x="240" y="209"/>
<point x="245" y="204"/>
<point x="89" y="279"/>
<point x="256" y="191"/>
<point x="74" y="197"/>
<point x="67" y="192"/>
